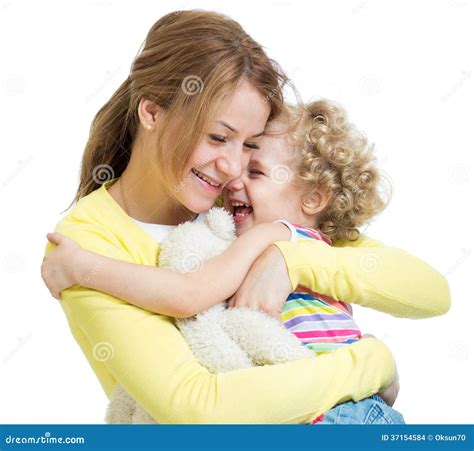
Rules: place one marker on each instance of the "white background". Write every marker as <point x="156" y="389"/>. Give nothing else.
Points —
<point x="404" y="72"/>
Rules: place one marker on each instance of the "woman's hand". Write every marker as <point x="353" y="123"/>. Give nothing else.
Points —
<point x="57" y="269"/>
<point x="389" y="395"/>
<point x="266" y="286"/>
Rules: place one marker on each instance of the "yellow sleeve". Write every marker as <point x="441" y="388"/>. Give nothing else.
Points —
<point x="147" y="355"/>
<point x="368" y="273"/>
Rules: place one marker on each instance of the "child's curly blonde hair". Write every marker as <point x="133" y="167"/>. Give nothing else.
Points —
<point x="334" y="156"/>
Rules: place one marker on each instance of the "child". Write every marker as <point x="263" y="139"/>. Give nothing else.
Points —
<point x="317" y="174"/>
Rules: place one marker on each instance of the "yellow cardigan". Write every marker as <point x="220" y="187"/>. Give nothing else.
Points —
<point x="147" y="355"/>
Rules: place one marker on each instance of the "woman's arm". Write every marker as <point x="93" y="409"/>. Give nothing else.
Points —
<point x="160" y="290"/>
<point x="155" y="366"/>
<point x="364" y="272"/>
<point x="148" y="356"/>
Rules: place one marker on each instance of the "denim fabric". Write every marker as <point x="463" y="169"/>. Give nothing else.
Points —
<point x="372" y="410"/>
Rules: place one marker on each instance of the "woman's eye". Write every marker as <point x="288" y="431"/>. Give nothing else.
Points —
<point x="251" y="146"/>
<point x="218" y="138"/>
<point x="256" y="172"/>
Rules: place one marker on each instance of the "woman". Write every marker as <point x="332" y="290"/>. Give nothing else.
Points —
<point x="171" y="137"/>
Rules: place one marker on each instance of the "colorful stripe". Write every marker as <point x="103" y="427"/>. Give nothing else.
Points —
<point x="321" y="323"/>
<point x="326" y="334"/>
<point x="307" y="232"/>
<point x="318" y="419"/>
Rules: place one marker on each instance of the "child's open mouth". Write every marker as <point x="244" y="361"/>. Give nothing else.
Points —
<point x="241" y="211"/>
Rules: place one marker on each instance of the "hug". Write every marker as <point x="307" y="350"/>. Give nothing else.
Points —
<point x="202" y="122"/>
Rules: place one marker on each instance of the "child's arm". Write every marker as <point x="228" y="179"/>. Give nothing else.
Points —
<point x="161" y="290"/>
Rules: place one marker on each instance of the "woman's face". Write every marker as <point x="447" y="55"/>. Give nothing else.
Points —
<point x="225" y="151"/>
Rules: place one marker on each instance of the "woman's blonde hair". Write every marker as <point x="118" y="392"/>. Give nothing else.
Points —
<point x="189" y="62"/>
<point x="334" y="156"/>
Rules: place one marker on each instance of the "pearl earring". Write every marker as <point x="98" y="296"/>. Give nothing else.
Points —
<point x="148" y="126"/>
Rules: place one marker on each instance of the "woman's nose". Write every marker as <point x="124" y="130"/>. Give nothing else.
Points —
<point x="232" y="163"/>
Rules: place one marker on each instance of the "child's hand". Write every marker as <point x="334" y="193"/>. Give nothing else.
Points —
<point x="57" y="269"/>
<point x="390" y="394"/>
<point x="266" y="286"/>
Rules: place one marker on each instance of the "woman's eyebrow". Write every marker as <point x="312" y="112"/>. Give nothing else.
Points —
<point x="225" y="124"/>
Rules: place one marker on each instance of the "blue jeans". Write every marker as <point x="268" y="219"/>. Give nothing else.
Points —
<point x="372" y="410"/>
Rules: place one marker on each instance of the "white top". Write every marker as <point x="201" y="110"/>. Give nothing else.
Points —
<point x="294" y="233"/>
<point x="160" y="231"/>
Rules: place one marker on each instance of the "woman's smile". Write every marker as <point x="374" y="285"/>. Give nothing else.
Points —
<point x="207" y="182"/>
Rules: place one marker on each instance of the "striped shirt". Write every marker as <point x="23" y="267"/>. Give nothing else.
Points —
<point x="320" y="322"/>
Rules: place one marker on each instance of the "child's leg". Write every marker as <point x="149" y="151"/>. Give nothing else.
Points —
<point x="372" y="410"/>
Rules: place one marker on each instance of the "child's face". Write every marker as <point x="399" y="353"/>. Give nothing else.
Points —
<point x="268" y="186"/>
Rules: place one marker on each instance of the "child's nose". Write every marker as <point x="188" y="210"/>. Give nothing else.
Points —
<point x="236" y="184"/>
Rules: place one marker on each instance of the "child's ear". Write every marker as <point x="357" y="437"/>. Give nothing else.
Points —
<point x="315" y="201"/>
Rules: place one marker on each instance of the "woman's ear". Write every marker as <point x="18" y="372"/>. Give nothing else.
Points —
<point x="315" y="201"/>
<point x="149" y="113"/>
